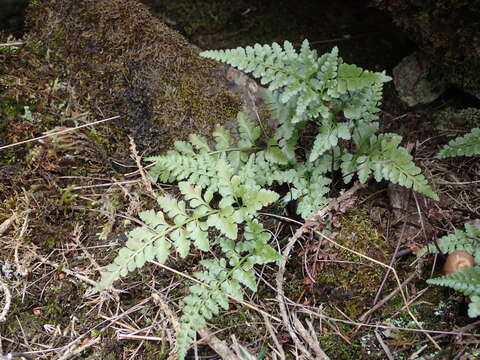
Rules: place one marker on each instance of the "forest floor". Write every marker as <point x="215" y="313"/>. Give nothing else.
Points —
<point x="67" y="200"/>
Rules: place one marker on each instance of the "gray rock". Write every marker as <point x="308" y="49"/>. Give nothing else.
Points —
<point x="415" y="82"/>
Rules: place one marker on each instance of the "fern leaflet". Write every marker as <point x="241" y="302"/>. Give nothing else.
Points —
<point x="467" y="145"/>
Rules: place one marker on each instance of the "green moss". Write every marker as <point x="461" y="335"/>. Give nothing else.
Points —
<point x="153" y="76"/>
<point x="351" y="280"/>
<point x="454" y="119"/>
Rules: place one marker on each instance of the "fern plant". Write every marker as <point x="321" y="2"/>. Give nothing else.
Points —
<point x="225" y="181"/>
<point x="467" y="280"/>
<point x="342" y="99"/>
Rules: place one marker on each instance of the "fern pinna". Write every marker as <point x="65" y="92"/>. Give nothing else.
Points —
<point x="466" y="280"/>
<point x="467" y="145"/>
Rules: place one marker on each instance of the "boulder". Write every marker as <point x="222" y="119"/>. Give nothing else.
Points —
<point x="415" y="82"/>
<point x="126" y="62"/>
<point x="447" y="32"/>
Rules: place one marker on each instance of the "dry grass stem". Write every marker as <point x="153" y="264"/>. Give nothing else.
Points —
<point x="384" y="346"/>
<point x="58" y="133"/>
<point x="250" y="306"/>
<point x="281" y="271"/>
<point x="278" y="348"/>
<point x="219" y="346"/>
<point x="5" y="225"/>
<point x="396" y="278"/>
<point x="76" y="351"/>
<point x="7" y="301"/>
<point x="138" y="161"/>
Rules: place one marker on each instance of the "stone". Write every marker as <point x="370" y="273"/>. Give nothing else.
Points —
<point x="447" y="32"/>
<point x="126" y="62"/>
<point x="415" y="82"/>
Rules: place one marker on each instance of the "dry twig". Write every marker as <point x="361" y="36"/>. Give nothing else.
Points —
<point x="8" y="301"/>
<point x="4" y="226"/>
<point x="320" y="354"/>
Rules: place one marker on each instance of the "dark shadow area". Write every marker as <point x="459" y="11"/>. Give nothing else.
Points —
<point x="364" y="35"/>
<point x="12" y="16"/>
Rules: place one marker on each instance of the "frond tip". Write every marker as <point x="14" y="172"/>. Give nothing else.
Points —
<point x="467" y="145"/>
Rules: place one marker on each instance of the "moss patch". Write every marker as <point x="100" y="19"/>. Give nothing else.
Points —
<point x="348" y="279"/>
<point x="130" y="64"/>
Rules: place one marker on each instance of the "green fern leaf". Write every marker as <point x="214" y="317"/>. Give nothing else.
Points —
<point x="162" y="250"/>
<point x="232" y="288"/>
<point x="246" y="277"/>
<point x="175" y="209"/>
<point x="467" y="281"/>
<point x="274" y="155"/>
<point x="352" y="78"/>
<point x="199" y="142"/>
<point x="468" y="240"/>
<point x="249" y="132"/>
<point x="152" y="218"/>
<point x="315" y="197"/>
<point x="182" y="243"/>
<point x="222" y="137"/>
<point x="474" y="306"/>
<point x="225" y="225"/>
<point x="194" y="196"/>
<point x="387" y="160"/>
<point x="327" y="138"/>
<point x="467" y="145"/>
<point x="142" y="245"/>
<point x="184" y="148"/>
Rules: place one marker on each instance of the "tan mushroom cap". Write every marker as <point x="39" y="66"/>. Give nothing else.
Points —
<point x="456" y="261"/>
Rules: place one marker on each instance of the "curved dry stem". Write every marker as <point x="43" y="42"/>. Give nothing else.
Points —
<point x="397" y="279"/>
<point x="8" y="301"/>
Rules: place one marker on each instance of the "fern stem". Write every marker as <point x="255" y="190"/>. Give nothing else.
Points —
<point x="235" y="149"/>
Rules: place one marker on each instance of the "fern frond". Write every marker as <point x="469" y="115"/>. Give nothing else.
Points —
<point x="303" y="86"/>
<point x="143" y="244"/>
<point x="468" y="240"/>
<point x="353" y="78"/>
<point x="466" y="280"/>
<point x="474" y="306"/>
<point x="205" y="300"/>
<point x="249" y="132"/>
<point x="196" y="163"/>
<point x="220" y="279"/>
<point x="384" y="158"/>
<point x="467" y="145"/>
<point x="328" y="137"/>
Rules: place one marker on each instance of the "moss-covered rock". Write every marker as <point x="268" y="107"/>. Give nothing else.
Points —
<point x="447" y="31"/>
<point x="130" y="64"/>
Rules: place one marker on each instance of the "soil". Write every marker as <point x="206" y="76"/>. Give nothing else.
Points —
<point x="66" y="202"/>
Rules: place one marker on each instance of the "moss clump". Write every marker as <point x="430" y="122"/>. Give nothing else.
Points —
<point x="133" y="65"/>
<point x="348" y="279"/>
<point x="451" y="118"/>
